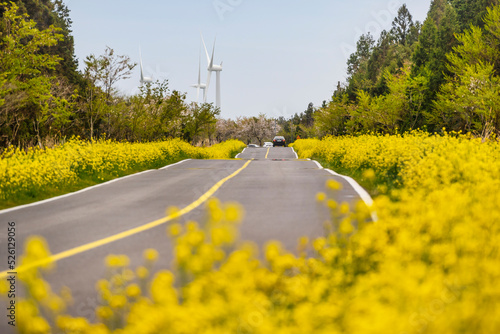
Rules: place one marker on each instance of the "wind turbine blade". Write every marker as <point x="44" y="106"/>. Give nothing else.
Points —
<point x="212" y="60"/>
<point x="197" y="93"/>
<point x="205" y="47"/>
<point x="208" y="85"/>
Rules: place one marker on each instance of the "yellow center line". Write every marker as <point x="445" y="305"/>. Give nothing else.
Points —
<point x="267" y="152"/>
<point x="125" y="234"/>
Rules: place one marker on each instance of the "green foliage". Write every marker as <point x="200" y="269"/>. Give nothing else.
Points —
<point x="470" y="99"/>
<point x="426" y="76"/>
<point x="400" y="109"/>
<point x="26" y="94"/>
<point x="200" y="122"/>
<point x="155" y="113"/>
<point x="48" y="13"/>
<point x="472" y="11"/>
<point x="402" y="25"/>
<point x="331" y="119"/>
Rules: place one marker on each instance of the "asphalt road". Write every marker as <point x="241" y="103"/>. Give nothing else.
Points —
<point x="276" y="190"/>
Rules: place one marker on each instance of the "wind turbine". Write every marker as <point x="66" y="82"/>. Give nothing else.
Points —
<point x="212" y="68"/>
<point x="199" y="85"/>
<point x="143" y="78"/>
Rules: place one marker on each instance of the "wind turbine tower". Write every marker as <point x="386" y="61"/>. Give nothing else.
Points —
<point x="200" y="85"/>
<point x="212" y="68"/>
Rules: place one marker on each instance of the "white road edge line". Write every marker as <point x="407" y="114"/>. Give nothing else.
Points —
<point x="296" y="156"/>
<point x="237" y="155"/>
<point x="363" y="194"/>
<point x="85" y="189"/>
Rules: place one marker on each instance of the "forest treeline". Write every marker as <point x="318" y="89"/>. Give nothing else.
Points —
<point x="44" y="98"/>
<point x="441" y="73"/>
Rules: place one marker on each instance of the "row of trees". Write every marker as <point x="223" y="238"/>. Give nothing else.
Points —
<point x="44" y="98"/>
<point x="248" y="129"/>
<point x="442" y="73"/>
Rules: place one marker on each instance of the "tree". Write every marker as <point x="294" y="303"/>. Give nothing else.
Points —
<point x="330" y="119"/>
<point x="402" y="25"/>
<point x="200" y="122"/>
<point x="471" y="93"/>
<point x="364" y="49"/>
<point x="225" y="129"/>
<point x="114" y="68"/>
<point x="259" y="128"/>
<point x="364" y="115"/>
<point x="25" y="83"/>
<point x="308" y="115"/>
<point x="472" y="96"/>
<point x="472" y="12"/>
<point x="427" y="42"/>
<point x="55" y="13"/>
<point x="101" y="74"/>
<point x="94" y="98"/>
<point x="172" y="113"/>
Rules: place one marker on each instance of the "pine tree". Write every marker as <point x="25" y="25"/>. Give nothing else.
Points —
<point x="472" y="12"/>
<point x="402" y="25"/>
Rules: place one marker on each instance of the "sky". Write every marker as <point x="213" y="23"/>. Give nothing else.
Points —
<point x="278" y="56"/>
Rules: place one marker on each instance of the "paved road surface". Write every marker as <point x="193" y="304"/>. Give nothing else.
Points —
<point x="276" y="189"/>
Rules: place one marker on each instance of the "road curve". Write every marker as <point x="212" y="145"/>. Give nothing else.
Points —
<point x="276" y="189"/>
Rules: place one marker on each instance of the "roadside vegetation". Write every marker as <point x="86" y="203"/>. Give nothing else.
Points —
<point x="428" y="265"/>
<point x="34" y="174"/>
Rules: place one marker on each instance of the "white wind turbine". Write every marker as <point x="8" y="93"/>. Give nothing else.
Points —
<point x="199" y="85"/>
<point x="212" y="68"/>
<point x="143" y="78"/>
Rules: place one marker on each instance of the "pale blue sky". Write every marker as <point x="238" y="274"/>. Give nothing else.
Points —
<point x="278" y="55"/>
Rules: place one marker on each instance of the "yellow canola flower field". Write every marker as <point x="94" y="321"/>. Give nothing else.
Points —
<point x="33" y="171"/>
<point x="430" y="264"/>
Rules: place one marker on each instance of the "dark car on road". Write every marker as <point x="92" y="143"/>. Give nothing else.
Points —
<point x="279" y="141"/>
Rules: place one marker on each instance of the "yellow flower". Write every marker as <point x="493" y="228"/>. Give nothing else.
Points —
<point x="142" y="273"/>
<point x="150" y="255"/>
<point x="320" y="197"/>
<point x="273" y="250"/>
<point x="117" y="301"/>
<point x="345" y="208"/>
<point x="116" y="261"/>
<point x="173" y="212"/>
<point x="104" y="312"/>
<point x="319" y="244"/>
<point x="133" y="291"/>
<point x="346" y="227"/>
<point x="174" y="230"/>
<point x="39" y="325"/>
<point x="233" y="212"/>
<point x="333" y="185"/>
<point x="369" y="174"/>
<point x="332" y="204"/>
